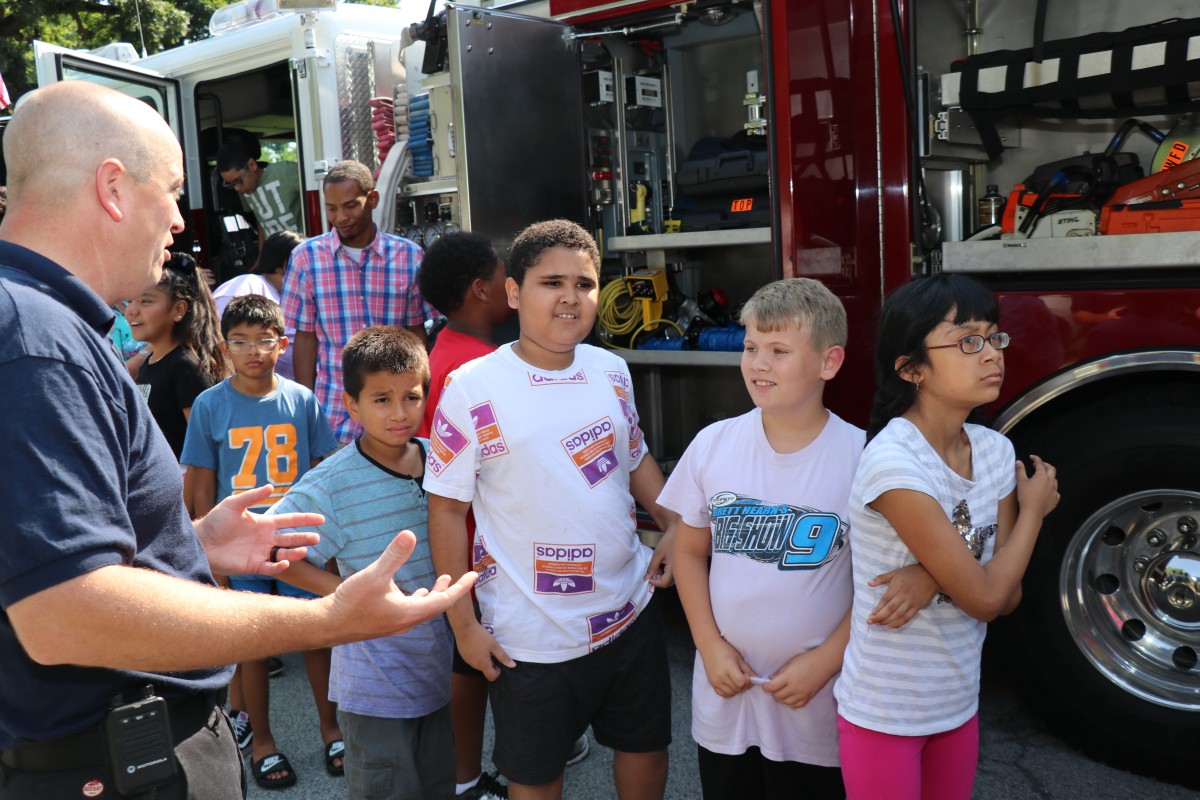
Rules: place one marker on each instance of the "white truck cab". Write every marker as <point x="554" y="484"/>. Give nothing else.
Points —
<point x="298" y="77"/>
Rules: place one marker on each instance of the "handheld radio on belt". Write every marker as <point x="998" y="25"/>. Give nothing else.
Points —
<point x="141" y="752"/>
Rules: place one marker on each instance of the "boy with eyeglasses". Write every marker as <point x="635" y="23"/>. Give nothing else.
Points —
<point x="266" y="279"/>
<point x="255" y="428"/>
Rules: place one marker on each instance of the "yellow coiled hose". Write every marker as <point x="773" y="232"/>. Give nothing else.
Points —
<point x="619" y="314"/>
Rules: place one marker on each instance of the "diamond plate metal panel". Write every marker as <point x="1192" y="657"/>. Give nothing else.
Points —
<point x="356" y="85"/>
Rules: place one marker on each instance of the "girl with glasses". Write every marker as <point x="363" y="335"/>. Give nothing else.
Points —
<point x="942" y="506"/>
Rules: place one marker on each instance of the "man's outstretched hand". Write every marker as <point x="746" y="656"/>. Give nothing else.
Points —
<point x="369" y="604"/>
<point x="239" y="542"/>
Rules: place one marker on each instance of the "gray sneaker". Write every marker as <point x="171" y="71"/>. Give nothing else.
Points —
<point x="580" y="751"/>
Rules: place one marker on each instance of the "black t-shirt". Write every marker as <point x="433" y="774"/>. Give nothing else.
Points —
<point x="170" y="385"/>
<point x="88" y="482"/>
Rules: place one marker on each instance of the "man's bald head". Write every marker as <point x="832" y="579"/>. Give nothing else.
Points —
<point x="61" y="134"/>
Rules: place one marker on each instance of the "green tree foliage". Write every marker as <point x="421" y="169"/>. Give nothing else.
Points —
<point x="87" y="24"/>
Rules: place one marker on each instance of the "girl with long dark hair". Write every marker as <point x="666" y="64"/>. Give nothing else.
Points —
<point x="177" y="319"/>
<point x="936" y="491"/>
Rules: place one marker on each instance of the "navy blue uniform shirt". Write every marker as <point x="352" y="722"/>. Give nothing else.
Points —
<point x="88" y="481"/>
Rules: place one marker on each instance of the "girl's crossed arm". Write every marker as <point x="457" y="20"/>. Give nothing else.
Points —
<point x="909" y="590"/>
<point x="983" y="591"/>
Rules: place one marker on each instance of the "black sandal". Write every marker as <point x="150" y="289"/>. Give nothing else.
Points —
<point x="276" y="762"/>
<point x="335" y="749"/>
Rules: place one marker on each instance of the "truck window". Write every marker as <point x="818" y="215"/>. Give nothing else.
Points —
<point x="151" y="93"/>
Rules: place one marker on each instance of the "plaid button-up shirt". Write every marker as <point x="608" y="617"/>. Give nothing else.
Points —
<point x="328" y="294"/>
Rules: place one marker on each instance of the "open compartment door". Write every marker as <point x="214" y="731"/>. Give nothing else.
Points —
<point x="521" y="114"/>
<point x="56" y="64"/>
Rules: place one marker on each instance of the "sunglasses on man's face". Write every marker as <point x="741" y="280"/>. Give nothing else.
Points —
<point x="237" y="182"/>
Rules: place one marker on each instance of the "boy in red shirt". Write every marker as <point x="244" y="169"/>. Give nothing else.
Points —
<point x="462" y="276"/>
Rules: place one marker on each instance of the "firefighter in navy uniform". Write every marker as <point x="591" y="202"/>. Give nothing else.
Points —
<point x="112" y="621"/>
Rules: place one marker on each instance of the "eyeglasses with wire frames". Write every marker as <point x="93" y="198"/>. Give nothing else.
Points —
<point x="974" y="343"/>
<point x="239" y="347"/>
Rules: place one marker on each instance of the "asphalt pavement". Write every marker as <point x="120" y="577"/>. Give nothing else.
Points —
<point x="1019" y="758"/>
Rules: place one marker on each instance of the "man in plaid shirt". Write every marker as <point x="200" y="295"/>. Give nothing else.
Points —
<point x="351" y="278"/>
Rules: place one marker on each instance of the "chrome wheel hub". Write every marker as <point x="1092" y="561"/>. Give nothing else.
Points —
<point x="1130" y="593"/>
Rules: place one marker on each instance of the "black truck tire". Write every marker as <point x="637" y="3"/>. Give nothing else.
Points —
<point x="1108" y="630"/>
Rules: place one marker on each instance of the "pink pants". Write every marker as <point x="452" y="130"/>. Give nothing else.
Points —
<point x="880" y="766"/>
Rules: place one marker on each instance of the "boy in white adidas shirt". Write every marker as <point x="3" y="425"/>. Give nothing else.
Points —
<point x="541" y="438"/>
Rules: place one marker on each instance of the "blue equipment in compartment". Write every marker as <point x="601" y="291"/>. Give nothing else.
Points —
<point x="729" y="338"/>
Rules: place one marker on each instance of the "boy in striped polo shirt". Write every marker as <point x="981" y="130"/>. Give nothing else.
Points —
<point x="393" y="694"/>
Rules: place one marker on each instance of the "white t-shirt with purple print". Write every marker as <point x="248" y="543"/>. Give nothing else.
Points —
<point x="544" y="458"/>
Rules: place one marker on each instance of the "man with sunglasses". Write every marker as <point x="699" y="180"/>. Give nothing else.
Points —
<point x="270" y="191"/>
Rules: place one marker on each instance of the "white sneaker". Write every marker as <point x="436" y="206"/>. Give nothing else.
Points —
<point x="489" y="787"/>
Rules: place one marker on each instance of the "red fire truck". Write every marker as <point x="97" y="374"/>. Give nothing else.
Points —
<point x="719" y="144"/>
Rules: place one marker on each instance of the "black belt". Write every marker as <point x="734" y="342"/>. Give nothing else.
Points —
<point x="87" y="748"/>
